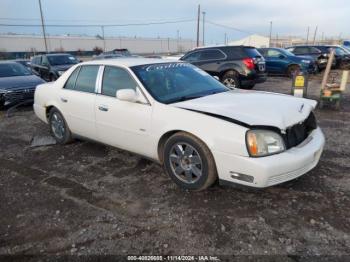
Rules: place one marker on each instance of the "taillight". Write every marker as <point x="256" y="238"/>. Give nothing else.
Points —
<point x="249" y="62"/>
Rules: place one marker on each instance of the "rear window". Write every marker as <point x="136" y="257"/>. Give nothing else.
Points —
<point x="252" y="52"/>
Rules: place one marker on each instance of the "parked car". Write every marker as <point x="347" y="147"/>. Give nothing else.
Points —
<point x="24" y="62"/>
<point x="342" y="57"/>
<point x="281" y="61"/>
<point x="177" y="114"/>
<point x="320" y="57"/>
<point x="17" y="83"/>
<point x="107" y="56"/>
<point x="235" y="66"/>
<point x="51" y="66"/>
<point x="346" y="47"/>
<point x="346" y="43"/>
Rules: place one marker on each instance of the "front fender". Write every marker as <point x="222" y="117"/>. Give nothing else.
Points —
<point x="217" y="134"/>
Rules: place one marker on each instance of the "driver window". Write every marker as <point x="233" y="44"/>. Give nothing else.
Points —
<point x="114" y="79"/>
<point x="273" y="53"/>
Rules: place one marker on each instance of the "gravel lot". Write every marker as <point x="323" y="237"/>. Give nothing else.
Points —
<point x="86" y="198"/>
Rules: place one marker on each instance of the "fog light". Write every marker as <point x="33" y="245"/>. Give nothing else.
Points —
<point x="245" y="178"/>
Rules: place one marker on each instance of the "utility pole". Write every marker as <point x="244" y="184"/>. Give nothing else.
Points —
<point x="198" y="21"/>
<point x="203" y="43"/>
<point x="315" y="35"/>
<point x="103" y="38"/>
<point x="177" y="39"/>
<point x="43" y="26"/>
<point x="270" y="33"/>
<point x="225" y="40"/>
<point x="307" y="36"/>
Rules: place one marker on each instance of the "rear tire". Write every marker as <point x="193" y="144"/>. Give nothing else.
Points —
<point x="59" y="128"/>
<point x="230" y="80"/>
<point x="189" y="162"/>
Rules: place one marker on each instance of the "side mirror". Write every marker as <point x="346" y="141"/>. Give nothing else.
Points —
<point x="281" y="57"/>
<point x="126" y="95"/>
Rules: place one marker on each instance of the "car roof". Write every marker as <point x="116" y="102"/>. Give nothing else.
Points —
<point x="129" y="62"/>
<point x="221" y="46"/>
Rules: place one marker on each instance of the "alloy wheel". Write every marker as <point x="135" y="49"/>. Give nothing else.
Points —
<point x="57" y="125"/>
<point x="186" y="163"/>
<point x="230" y="83"/>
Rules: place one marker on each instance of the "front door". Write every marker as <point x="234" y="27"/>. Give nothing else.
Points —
<point x="119" y="123"/>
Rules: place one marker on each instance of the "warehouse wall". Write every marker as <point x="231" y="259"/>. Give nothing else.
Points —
<point x="25" y="43"/>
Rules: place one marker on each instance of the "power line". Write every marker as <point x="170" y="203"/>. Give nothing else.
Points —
<point x="99" y="25"/>
<point x="229" y="27"/>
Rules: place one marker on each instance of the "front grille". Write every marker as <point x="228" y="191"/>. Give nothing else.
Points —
<point x="20" y="94"/>
<point x="298" y="133"/>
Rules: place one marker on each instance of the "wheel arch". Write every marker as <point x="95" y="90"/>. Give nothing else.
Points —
<point x="168" y="134"/>
<point x="48" y="108"/>
<point x="292" y="64"/>
<point x="225" y="70"/>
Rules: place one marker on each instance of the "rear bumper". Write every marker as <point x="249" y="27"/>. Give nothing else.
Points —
<point x="271" y="170"/>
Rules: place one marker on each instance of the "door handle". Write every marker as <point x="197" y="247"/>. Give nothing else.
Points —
<point x="64" y="100"/>
<point x="103" y="108"/>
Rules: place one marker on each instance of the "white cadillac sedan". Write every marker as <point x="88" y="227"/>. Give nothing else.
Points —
<point x="180" y="116"/>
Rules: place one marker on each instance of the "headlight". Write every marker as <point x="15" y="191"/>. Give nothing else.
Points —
<point x="60" y="73"/>
<point x="306" y="61"/>
<point x="264" y="142"/>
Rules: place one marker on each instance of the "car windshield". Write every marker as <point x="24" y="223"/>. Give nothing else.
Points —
<point x="13" y="69"/>
<point x="175" y="82"/>
<point x="62" y="60"/>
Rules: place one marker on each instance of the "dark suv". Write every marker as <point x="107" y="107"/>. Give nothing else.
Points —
<point x="50" y="66"/>
<point x="235" y="66"/>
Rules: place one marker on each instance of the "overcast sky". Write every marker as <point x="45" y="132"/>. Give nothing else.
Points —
<point x="289" y="17"/>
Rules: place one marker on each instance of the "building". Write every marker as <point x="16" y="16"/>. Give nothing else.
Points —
<point x="20" y="45"/>
<point x="255" y="40"/>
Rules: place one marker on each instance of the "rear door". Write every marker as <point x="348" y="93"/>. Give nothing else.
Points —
<point x="77" y="100"/>
<point x="45" y="68"/>
<point x="35" y="65"/>
<point x="210" y="60"/>
<point x="119" y="123"/>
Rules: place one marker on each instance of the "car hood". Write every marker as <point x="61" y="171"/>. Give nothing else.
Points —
<point x="13" y="82"/>
<point x="253" y="108"/>
<point x="62" y="67"/>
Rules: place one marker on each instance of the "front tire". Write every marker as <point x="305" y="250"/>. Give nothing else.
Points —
<point x="189" y="162"/>
<point x="59" y="128"/>
<point x="293" y="70"/>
